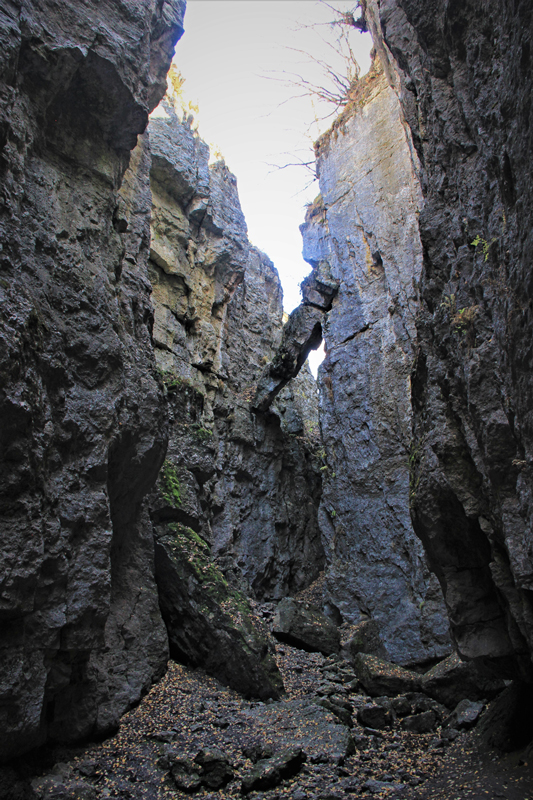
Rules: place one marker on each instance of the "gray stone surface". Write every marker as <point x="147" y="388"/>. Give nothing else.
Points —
<point x="83" y="428"/>
<point x="363" y="232"/>
<point x="209" y="623"/>
<point x="465" y="89"/>
<point x="380" y="677"/>
<point x="303" y="625"/>
<point x="364" y="638"/>
<point x="251" y="480"/>
<point x="453" y="680"/>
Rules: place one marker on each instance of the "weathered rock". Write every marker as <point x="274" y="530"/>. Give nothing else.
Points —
<point x="465" y="90"/>
<point x="507" y="724"/>
<point x="466" y="714"/>
<point x="216" y="771"/>
<point x="374" y="716"/>
<point x="364" y="230"/>
<point x="270" y="772"/>
<point x="380" y="677"/>
<point x="209" y="623"/>
<point x="453" y="680"/>
<point x="83" y="426"/>
<point x="343" y="713"/>
<point x="425" y="722"/>
<point x="186" y="775"/>
<point x="251" y="484"/>
<point x="364" y="638"/>
<point x="302" y="625"/>
<point x="306" y="725"/>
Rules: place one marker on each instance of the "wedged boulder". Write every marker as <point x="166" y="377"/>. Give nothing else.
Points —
<point x="364" y="638"/>
<point x="453" y="680"/>
<point x="305" y="626"/>
<point x="209" y="623"/>
<point x="270" y="772"/>
<point x="380" y="677"/>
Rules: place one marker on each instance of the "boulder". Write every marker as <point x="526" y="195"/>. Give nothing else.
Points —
<point x="453" y="680"/>
<point x="209" y="623"/>
<point x="374" y="716"/>
<point x="420" y="723"/>
<point x="380" y="677"/>
<point x="215" y="769"/>
<point x="269" y="772"/>
<point x="465" y="715"/>
<point x="305" y="626"/>
<point x="508" y="724"/>
<point x="364" y="638"/>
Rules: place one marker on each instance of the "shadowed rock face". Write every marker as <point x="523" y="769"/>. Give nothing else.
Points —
<point x="362" y="233"/>
<point x="463" y="74"/>
<point x="83" y="432"/>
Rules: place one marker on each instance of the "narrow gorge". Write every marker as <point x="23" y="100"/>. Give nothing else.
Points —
<point x="188" y="518"/>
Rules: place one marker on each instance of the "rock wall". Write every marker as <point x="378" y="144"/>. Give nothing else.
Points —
<point x="363" y="232"/>
<point x="462" y="71"/>
<point x="250" y="481"/>
<point x="83" y="427"/>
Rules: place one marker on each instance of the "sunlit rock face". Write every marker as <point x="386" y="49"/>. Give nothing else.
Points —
<point x="83" y="433"/>
<point x="362" y="233"/>
<point x="251" y="480"/>
<point x="462" y="71"/>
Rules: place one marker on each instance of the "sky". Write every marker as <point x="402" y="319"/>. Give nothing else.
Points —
<point x="238" y="58"/>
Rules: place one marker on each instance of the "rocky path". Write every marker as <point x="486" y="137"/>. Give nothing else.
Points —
<point x="191" y="736"/>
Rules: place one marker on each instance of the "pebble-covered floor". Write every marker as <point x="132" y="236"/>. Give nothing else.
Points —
<point x="188" y="711"/>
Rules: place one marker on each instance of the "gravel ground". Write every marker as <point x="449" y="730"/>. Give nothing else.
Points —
<point x="189" y="711"/>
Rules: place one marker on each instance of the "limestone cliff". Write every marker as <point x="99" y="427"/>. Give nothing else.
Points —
<point x="363" y="232"/>
<point x="251" y="482"/>
<point x="239" y="491"/>
<point x="83" y="429"/>
<point x="462" y="71"/>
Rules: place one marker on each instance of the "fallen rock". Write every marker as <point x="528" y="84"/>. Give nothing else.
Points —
<point x="270" y="772"/>
<point x="508" y="724"/>
<point x="420" y="723"/>
<point x="302" y="723"/>
<point x="216" y="771"/>
<point x="392" y="789"/>
<point x="186" y="775"/>
<point x="466" y="714"/>
<point x="364" y="638"/>
<point x="342" y="713"/>
<point x="453" y="680"/>
<point x="380" y="677"/>
<point x="209" y="623"/>
<point x="303" y="625"/>
<point x="374" y="716"/>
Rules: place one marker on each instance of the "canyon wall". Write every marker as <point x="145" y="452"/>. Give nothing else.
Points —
<point x="83" y="430"/>
<point x="250" y="481"/>
<point x="462" y="72"/>
<point x="362" y="232"/>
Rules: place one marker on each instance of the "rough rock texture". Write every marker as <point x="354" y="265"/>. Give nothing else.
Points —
<point x="303" y="625"/>
<point x="463" y="73"/>
<point x="250" y="481"/>
<point x="83" y="431"/>
<point x="209" y="623"/>
<point x="362" y="235"/>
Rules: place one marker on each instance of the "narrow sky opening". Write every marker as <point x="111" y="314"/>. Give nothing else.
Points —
<point x="241" y="60"/>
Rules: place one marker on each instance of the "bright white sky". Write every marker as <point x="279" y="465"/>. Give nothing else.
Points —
<point x="226" y="53"/>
